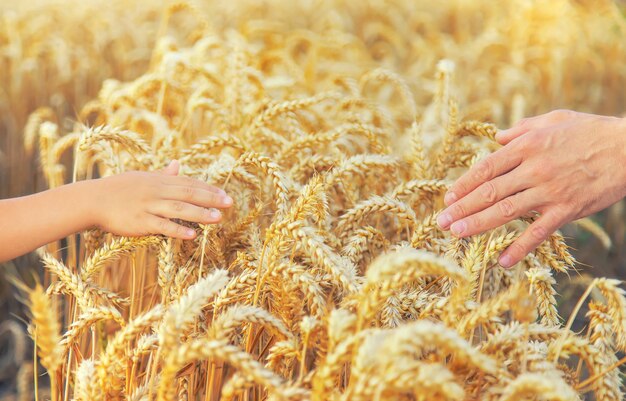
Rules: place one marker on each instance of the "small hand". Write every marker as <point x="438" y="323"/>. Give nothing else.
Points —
<point x="142" y="203"/>
<point x="564" y="165"/>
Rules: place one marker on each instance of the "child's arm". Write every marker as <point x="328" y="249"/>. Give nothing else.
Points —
<point x="130" y="204"/>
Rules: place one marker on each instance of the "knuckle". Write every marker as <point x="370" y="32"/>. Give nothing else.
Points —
<point x="507" y="209"/>
<point x="475" y="222"/>
<point x="538" y="232"/>
<point x="178" y="206"/>
<point x="189" y="193"/>
<point x="538" y="137"/>
<point x="213" y="199"/>
<point x="191" y="182"/>
<point x="458" y="210"/>
<point x="162" y="226"/>
<point x="179" y="230"/>
<point x="459" y="187"/>
<point x="488" y="192"/>
<point x="536" y="172"/>
<point x="522" y="144"/>
<point x="560" y="114"/>
<point x="517" y="250"/>
<point x="562" y="211"/>
<point x="483" y="170"/>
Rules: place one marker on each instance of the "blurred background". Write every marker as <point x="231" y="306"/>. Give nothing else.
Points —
<point x="512" y="59"/>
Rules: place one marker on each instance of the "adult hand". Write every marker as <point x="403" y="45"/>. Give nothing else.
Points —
<point x="564" y="164"/>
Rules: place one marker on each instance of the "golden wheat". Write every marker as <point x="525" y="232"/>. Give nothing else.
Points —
<point x="337" y="131"/>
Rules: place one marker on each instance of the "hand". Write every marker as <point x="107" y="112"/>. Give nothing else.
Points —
<point x="142" y="203"/>
<point x="564" y="165"/>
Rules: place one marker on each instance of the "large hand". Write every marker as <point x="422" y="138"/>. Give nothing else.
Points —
<point x="564" y="165"/>
<point x="141" y="203"/>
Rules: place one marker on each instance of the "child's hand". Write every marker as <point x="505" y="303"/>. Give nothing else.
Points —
<point x="142" y="203"/>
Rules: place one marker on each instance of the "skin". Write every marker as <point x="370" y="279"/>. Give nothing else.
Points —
<point x="130" y="204"/>
<point x="564" y="165"/>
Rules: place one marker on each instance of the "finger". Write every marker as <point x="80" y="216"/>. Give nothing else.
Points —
<point x="500" y="162"/>
<point x="518" y="129"/>
<point x="186" y="211"/>
<point x="197" y="196"/>
<point x="530" y="239"/>
<point x="496" y="215"/>
<point x="192" y="182"/>
<point x="172" y="168"/>
<point x="169" y="228"/>
<point x="481" y="198"/>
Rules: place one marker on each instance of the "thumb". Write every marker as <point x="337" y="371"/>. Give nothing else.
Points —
<point x="172" y="168"/>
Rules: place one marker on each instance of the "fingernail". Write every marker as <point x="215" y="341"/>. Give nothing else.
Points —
<point x="214" y="214"/>
<point x="444" y="220"/>
<point x="450" y="198"/>
<point x="458" y="228"/>
<point x="505" y="261"/>
<point x="190" y="232"/>
<point x="227" y="200"/>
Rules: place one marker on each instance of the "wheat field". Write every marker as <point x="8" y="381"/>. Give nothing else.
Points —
<point x="337" y="128"/>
